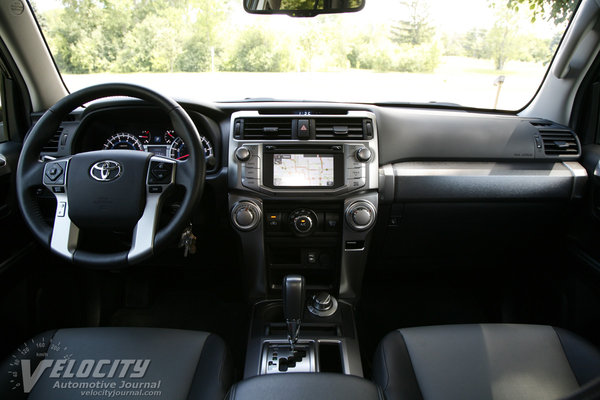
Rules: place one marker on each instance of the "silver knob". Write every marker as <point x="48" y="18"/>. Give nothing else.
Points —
<point x="303" y="223"/>
<point x="322" y="304"/>
<point x="360" y="215"/>
<point x="242" y="154"/>
<point x="363" y="154"/>
<point x="245" y="215"/>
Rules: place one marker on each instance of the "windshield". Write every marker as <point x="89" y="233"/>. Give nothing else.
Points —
<point x="472" y="53"/>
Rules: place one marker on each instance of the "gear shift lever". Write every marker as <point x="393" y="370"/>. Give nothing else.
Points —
<point x="293" y="305"/>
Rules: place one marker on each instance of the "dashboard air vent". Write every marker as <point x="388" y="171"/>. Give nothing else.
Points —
<point x="263" y="128"/>
<point x="343" y="128"/>
<point x="52" y="145"/>
<point x="559" y="142"/>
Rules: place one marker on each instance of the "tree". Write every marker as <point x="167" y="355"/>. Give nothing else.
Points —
<point x="557" y="10"/>
<point x="474" y="43"/>
<point x="415" y="29"/>
<point x="501" y="41"/>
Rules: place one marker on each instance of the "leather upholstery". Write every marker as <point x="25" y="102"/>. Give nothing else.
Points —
<point x="305" y="386"/>
<point x="489" y="361"/>
<point x="188" y="364"/>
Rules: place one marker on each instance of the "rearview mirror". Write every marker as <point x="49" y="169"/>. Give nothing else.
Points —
<point x="302" y="8"/>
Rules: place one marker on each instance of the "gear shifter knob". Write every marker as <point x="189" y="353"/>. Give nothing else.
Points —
<point x="293" y="305"/>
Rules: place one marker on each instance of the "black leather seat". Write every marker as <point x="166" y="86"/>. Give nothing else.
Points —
<point x="490" y="361"/>
<point x="183" y="364"/>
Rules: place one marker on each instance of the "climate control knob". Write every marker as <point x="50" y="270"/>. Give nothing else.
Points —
<point x="360" y="215"/>
<point x="303" y="222"/>
<point x="363" y="154"/>
<point x="245" y="215"/>
<point x="242" y="154"/>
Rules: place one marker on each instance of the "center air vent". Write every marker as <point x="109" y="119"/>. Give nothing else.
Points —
<point x="558" y="142"/>
<point x="343" y="128"/>
<point x="263" y="128"/>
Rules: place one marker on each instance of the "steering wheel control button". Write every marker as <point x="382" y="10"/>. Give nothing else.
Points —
<point x="61" y="209"/>
<point x="160" y="173"/>
<point x="58" y="189"/>
<point x="155" y="189"/>
<point x="242" y="154"/>
<point x="54" y="173"/>
<point x="246" y="215"/>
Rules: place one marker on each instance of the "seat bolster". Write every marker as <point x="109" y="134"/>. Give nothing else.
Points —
<point x="393" y="370"/>
<point x="583" y="358"/>
<point x="213" y="376"/>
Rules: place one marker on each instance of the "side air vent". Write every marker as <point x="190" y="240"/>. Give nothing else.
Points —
<point x="52" y="145"/>
<point x="343" y="128"/>
<point x="263" y="128"/>
<point x="559" y="142"/>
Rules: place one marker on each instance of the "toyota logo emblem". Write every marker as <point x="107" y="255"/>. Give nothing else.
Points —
<point x="106" y="171"/>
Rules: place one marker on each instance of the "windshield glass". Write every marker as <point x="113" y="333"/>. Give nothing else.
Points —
<point x="473" y="53"/>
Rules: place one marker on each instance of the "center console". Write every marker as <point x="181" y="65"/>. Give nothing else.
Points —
<point x="303" y="199"/>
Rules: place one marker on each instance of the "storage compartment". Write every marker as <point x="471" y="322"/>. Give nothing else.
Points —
<point x="329" y="357"/>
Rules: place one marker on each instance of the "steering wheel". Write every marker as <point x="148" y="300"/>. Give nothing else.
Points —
<point x="108" y="189"/>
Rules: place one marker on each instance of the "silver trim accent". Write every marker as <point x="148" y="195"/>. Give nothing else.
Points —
<point x="580" y="177"/>
<point x="143" y="234"/>
<point x="282" y="349"/>
<point x="236" y="178"/>
<point x="422" y="181"/>
<point x="65" y="234"/>
<point x="102" y="170"/>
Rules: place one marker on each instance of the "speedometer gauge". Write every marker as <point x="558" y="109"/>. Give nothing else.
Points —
<point x="179" y="150"/>
<point x="123" y="141"/>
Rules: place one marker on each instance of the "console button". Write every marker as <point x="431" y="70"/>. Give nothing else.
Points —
<point x="303" y="129"/>
<point x="273" y="221"/>
<point x="332" y="221"/>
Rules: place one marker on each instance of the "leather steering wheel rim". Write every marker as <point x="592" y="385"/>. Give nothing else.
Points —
<point x="189" y="173"/>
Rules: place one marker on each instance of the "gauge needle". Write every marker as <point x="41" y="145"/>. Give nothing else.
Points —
<point x="182" y="157"/>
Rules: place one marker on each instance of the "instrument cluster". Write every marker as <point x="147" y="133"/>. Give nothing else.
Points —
<point x="163" y="143"/>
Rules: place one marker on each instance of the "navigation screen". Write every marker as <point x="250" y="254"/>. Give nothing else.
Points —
<point x="303" y="170"/>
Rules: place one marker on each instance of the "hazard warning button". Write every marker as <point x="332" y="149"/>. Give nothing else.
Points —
<point x="303" y="129"/>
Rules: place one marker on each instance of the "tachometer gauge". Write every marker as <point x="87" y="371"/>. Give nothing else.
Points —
<point x="179" y="149"/>
<point x="123" y="141"/>
<point x="170" y="136"/>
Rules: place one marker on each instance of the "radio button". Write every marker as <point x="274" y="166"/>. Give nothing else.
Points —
<point x="248" y="172"/>
<point x="251" y="183"/>
<point x="356" y="183"/>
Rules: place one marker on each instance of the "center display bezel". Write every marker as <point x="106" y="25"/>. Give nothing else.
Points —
<point x="338" y="165"/>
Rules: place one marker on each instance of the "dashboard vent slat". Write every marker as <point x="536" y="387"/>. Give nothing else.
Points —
<point x="340" y="128"/>
<point x="52" y="144"/>
<point x="559" y="142"/>
<point x="265" y="128"/>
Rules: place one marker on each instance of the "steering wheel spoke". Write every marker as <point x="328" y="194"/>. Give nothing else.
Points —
<point x="65" y="234"/>
<point x="160" y="176"/>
